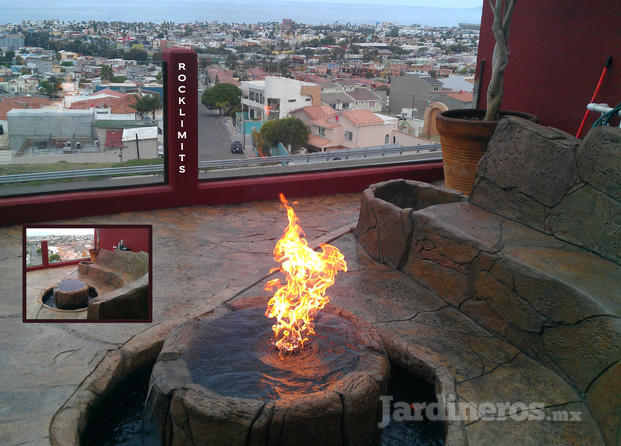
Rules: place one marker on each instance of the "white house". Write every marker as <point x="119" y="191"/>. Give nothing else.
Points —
<point x="23" y="84"/>
<point x="276" y="97"/>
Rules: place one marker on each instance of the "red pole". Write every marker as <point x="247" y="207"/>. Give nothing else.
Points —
<point x="599" y="84"/>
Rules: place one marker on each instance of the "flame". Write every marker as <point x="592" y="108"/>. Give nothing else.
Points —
<point x="309" y="274"/>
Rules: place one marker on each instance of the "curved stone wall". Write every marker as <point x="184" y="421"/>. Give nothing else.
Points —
<point x="128" y="301"/>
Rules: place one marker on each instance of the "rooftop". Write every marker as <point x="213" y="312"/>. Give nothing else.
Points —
<point x="115" y="123"/>
<point x="362" y="117"/>
<point x="363" y="94"/>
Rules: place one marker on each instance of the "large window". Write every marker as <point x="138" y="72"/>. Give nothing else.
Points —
<point x="54" y="245"/>
<point x="200" y="149"/>
<point x="97" y="123"/>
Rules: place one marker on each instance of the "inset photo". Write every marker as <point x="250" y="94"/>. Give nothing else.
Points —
<point x="87" y="273"/>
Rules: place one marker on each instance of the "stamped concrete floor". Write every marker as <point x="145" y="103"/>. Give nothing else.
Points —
<point x="204" y="256"/>
<point x="37" y="281"/>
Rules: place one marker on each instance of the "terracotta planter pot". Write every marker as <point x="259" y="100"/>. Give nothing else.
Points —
<point x="94" y="253"/>
<point x="464" y="136"/>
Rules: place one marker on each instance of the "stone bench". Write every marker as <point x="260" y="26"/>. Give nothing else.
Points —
<point x="533" y="256"/>
<point x="97" y="272"/>
<point x="130" y="298"/>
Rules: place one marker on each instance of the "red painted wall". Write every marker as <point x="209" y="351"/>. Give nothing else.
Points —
<point x="558" y="49"/>
<point x="136" y="239"/>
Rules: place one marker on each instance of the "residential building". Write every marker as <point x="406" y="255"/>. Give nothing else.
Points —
<point x="454" y="99"/>
<point x="108" y="107"/>
<point x="23" y="84"/>
<point x="350" y="129"/>
<point x="11" y="42"/>
<point x="457" y="82"/>
<point x="412" y="91"/>
<point x="41" y="65"/>
<point x="337" y="100"/>
<point x="365" y="99"/>
<point x="38" y="127"/>
<point x="20" y="103"/>
<point x="276" y="97"/>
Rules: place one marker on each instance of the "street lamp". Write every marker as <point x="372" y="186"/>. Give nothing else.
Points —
<point x="243" y="127"/>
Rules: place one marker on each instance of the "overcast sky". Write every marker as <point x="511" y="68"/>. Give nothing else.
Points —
<point x="58" y="231"/>
<point x="422" y="3"/>
<point x="402" y="12"/>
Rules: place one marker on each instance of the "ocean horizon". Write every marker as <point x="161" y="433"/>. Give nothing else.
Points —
<point x="235" y="11"/>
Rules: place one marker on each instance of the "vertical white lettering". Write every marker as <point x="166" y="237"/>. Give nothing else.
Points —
<point x="181" y="169"/>
<point x="182" y="77"/>
<point x="182" y="66"/>
<point x="181" y="89"/>
<point x="182" y="101"/>
<point x="181" y="112"/>
<point x="181" y="146"/>
<point x="182" y="123"/>
<point x="182" y="156"/>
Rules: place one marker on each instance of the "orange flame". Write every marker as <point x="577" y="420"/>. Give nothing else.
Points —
<point x="309" y="274"/>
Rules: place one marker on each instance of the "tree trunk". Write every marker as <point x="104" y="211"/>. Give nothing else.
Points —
<point x="500" y="27"/>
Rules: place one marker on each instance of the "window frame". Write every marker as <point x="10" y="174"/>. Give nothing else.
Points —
<point x="185" y="188"/>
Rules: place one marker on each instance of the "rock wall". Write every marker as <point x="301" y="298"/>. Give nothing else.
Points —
<point x="385" y="225"/>
<point x="534" y="256"/>
<point x="555" y="183"/>
<point x="96" y="271"/>
<point x="128" y="302"/>
<point x="136" y="263"/>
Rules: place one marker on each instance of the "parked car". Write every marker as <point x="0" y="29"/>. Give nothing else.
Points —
<point x="236" y="147"/>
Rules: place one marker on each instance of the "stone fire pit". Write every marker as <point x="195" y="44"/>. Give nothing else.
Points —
<point x="71" y="294"/>
<point x="324" y="396"/>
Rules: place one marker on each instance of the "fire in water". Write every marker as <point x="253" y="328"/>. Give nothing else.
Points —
<point x="309" y="274"/>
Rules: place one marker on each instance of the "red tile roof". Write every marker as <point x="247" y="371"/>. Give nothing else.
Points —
<point x="323" y="122"/>
<point x="109" y="92"/>
<point x="114" y="138"/>
<point x="318" y="141"/>
<point x="463" y="96"/>
<point x="21" y="102"/>
<point x="316" y="112"/>
<point x="362" y="117"/>
<point x="122" y="105"/>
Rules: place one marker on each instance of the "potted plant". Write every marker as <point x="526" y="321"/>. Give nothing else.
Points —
<point x="465" y="133"/>
<point x="94" y="253"/>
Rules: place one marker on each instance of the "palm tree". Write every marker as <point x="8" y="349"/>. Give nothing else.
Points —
<point x="147" y="104"/>
<point x="106" y="74"/>
<point x="222" y="105"/>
